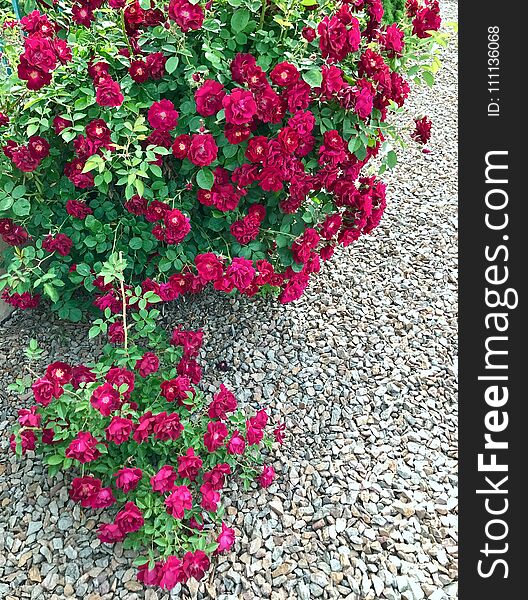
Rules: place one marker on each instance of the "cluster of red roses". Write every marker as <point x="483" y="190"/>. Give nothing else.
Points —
<point x="43" y="50"/>
<point x="425" y="18"/>
<point x="29" y="156"/>
<point x="188" y="490"/>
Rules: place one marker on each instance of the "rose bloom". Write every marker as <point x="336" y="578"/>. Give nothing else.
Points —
<point x="138" y="70"/>
<point x="129" y="519"/>
<point x="195" y="564"/>
<point x="267" y="476"/>
<point x="78" y="209"/>
<point x="224" y="402"/>
<point x="181" y="145"/>
<point x="176" y="389"/>
<point x="110" y="533"/>
<point x="241" y="273"/>
<point x="162" y="115"/>
<point x="189" y="465"/>
<point x="83" y="447"/>
<point x="151" y="576"/>
<point x="215" y="436"/>
<point x="239" y="106"/>
<point x="45" y="390"/>
<point x="164" y="479"/>
<point x="226" y="539"/>
<point x="179" y="500"/>
<point x="210" y="498"/>
<point x="105" y="399"/>
<point x="103" y="499"/>
<point x="83" y="489"/>
<point x="186" y="15"/>
<point x="217" y="475"/>
<point x="38" y="147"/>
<point x="167" y="427"/>
<point x="127" y="479"/>
<point x="209" y="266"/>
<point x="108" y="93"/>
<point x="209" y="98"/>
<point x="119" y="430"/>
<point x="284" y="74"/>
<point x="148" y="364"/>
<point x="170" y="573"/>
<point x="156" y="65"/>
<point x="236" y="444"/>
<point x="202" y="150"/>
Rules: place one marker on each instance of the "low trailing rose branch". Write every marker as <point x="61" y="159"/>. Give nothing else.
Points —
<point x="136" y="433"/>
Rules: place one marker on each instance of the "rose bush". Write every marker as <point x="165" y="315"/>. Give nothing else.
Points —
<point x="138" y="440"/>
<point x="223" y="143"/>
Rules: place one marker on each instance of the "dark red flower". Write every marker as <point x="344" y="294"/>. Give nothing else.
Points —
<point x="108" y="93"/>
<point x="138" y="70"/>
<point x="83" y="447"/>
<point x="119" y="430"/>
<point x="105" y="399"/>
<point x="284" y="74"/>
<point x="36" y="78"/>
<point x="38" y="147"/>
<point x="127" y="479"/>
<point x="179" y="500"/>
<point x="215" y="435"/>
<point x="162" y="115"/>
<point x="59" y="243"/>
<point x="164" y="479"/>
<point x="240" y="107"/>
<point x="156" y="64"/>
<point x="181" y="145"/>
<point x="422" y="131"/>
<point x="189" y="465"/>
<point x="209" y="98"/>
<point x="267" y="476"/>
<point x="195" y="564"/>
<point x="202" y="150"/>
<point x="186" y="15"/>
<point x="129" y="519"/>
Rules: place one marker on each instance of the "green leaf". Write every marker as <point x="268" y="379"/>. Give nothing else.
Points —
<point x="172" y="64"/>
<point x="22" y="207"/>
<point x="136" y="243"/>
<point x="313" y="77"/>
<point x="6" y="203"/>
<point x="392" y="159"/>
<point x="18" y="192"/>
<point x="428" y="78"/>
<point x="55" y="459"/>
<point x="205" y="179"/>
<point x="240" y="20"/>
<point x="51" y="292"/>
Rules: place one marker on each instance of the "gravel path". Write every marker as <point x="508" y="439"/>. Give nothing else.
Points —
<point x="362" y="370"/>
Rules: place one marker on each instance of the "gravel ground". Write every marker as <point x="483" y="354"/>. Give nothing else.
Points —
<point x="362" y="370"/>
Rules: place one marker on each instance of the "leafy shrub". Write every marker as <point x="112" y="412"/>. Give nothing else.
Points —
<point x="223" y="143"/>
<point x="137" y="434"/>
<point x="394" y="10"/>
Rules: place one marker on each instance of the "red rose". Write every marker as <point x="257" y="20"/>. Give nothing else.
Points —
<point x="186" y="15"/>
<point x="59" y="372"/>
<point x="177" y="226"/>
<point x="60" y="123"/>
<point x="209" y="98"/>
<point x="164" y="479"/>
<point x="60" y="243"/>
<point x="181" y="145"/>
<point x="109" y="533"/>
<point x="36" y="78"/>
<point x="119" y="430"/>
<point x="189" y="465"/>
<point x="202" y="150"/>
<point x="29" y="417"/>
<point x="284" y="74"/>
<point x="309" y="34"/>
<point x="24" y="160"/>
<point x="236" y="443"/>
<point x="267" y="476"/>
<point x="156" y="64"/>
<point x="108" y="93"/>
<point x="78" y="209"/>
<point x="241" y="65"/>
<point x="127" y="479"/>
<point x="82" y="15"/>
<point x="162" y="115"/>
<point x="195" y="564"/>
<point x="98" y="131"/>
<point x="136" y="205"/>
<point x="38" y="147"/>
<point x="215" y="435"/>
<point x="237" y="134"/>
<point x="144" y="428"/>
<point x="138" y="71"/>
<point x="148" y="364"/>
<point x="225" y="540"/>
<point x="210" y="498"/>
<point x="129" y="519"/>
<point x="4" y="119"/>
<point x="217" y="475"/>
<point x="257" y="149"/>
<point x="45" y="390"/>
<point x="209" y="266"/>
<point x="179" y="500"/>
<point x="83" y="489"/>
<point x="241" y="273"/>
<point x="153" y="576"/>
<point x="105" y="399"/>
<point x="118" y="377"/>
<point x="167" y="427"/>
<point x="224" y="402"/>
<point x="239" y="106"/>
<point x="83" y="448"/>
<point x="176" y="389"/>
<point x="170" y="574"/>
<point x="40" y="53"/>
